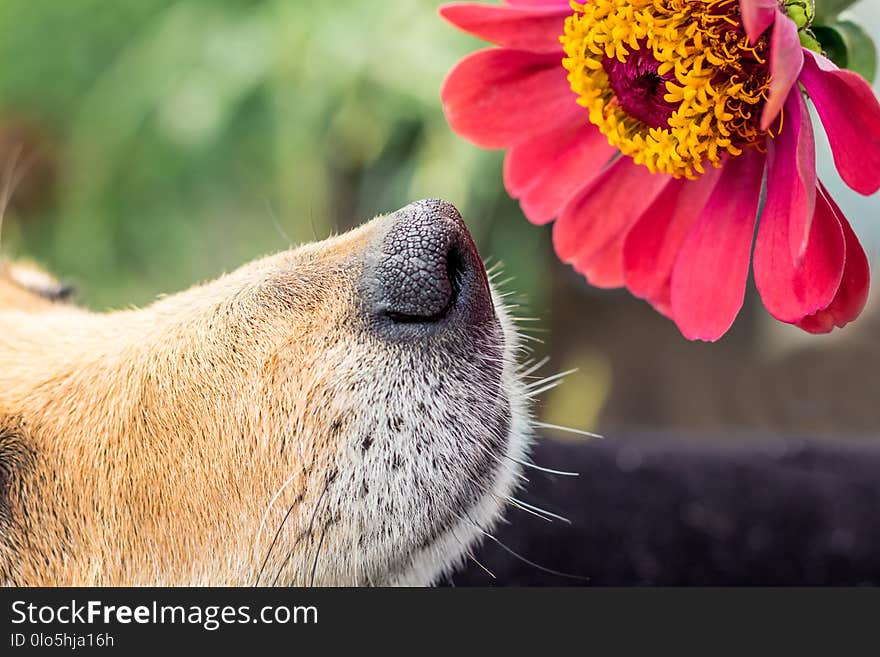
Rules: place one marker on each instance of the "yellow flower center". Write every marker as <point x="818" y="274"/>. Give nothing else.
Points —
<point x="674" y="84"/>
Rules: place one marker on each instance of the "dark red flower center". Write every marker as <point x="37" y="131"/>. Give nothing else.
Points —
<point x="639" y="88"/>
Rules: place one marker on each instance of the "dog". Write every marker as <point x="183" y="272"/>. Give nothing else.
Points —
<point x="349" y="412"/>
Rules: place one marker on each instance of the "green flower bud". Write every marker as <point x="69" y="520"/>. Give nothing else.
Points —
<point x="809" y="41"/>
<point x="801" y="12"/>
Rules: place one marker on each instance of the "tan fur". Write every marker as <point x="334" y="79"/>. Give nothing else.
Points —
<point x="143" y="447"/>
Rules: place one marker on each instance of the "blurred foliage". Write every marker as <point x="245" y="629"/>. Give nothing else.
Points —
<point x="849" y="46"/>
<point x="828" y="9"/>
<point x="192" y="136"/>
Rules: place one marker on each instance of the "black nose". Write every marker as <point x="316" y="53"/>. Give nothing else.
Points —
<point x="425" y="270"/>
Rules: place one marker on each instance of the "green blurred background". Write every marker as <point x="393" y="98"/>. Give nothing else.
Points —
<point x="165" y="142"/>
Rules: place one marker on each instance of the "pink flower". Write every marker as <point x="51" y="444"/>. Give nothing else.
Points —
<point x="648" y="133"/>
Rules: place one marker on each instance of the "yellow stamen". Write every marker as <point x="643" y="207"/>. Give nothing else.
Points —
<point x="717" y="80"/>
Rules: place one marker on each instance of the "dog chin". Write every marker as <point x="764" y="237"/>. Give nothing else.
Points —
<point x="455" y="544"/>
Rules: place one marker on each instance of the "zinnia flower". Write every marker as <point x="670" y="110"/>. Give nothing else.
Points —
<point x="648" y="129"/>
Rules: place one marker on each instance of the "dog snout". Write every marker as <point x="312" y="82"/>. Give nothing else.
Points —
<point x="426" y="270"/>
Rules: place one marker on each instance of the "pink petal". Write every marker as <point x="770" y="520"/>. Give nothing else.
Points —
<point x="852" y="294"/>
<point x="605" y="268"/>
<point x="791" y="176"/>
<point x="525" y="28"/>
<point x="604" y="211"/>
<point x="757" y="16"/>
<point x="653" y="243"/>
<point x="545" y="171"/>
<point x="539" y="3"/>
<point x="791" y="292"/>
<point x="786" y="62"/>
<point x="850" y="114"/>
<point x="662" y="305"/>
<point x="709" y="278"/>
<point x="498" y="97"/>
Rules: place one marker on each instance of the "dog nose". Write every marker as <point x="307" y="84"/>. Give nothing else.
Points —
<point x="426" y="269"/>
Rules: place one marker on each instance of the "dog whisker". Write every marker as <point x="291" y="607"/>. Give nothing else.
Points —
<point x="533" y="329"/>
<point x="538" y="509"/>
<point x="517" y="555"/>
<point x="309" y="530"/>
<point x="275" y="538"/>
<point x="559" y="427"/>
<point x="534" y="368"/>
<point x="563" y="473"/>
<point x="317" y="554"/>
<point x="271" y="504"/>
<point x="534" y="394"/>
<point x="471" y="556"/>
<point x="277" y="224"/>
<point x="552" y="377"/>
<point x="493" y="270"/>
<point x="519" y="506"/>
<point x="357" y="544"/>
<point x="11" y="178"/>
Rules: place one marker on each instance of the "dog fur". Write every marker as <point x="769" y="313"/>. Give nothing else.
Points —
<point x="251" y="430"/>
